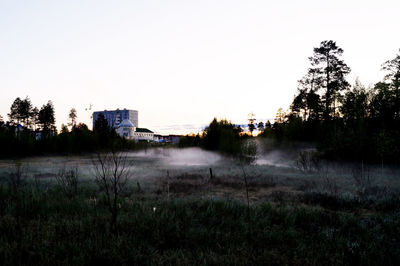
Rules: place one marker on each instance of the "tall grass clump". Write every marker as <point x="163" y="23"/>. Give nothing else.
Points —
<point x="67" y="179"/>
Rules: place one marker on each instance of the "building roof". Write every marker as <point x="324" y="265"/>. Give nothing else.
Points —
<point x="126" y="123"/>
<point x="114" y="111"/>
<point x="145" y="130"/>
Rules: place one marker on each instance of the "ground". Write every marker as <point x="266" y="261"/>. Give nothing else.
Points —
<point x="173" y="211"/>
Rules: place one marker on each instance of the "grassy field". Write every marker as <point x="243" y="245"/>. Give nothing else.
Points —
<point x="172" y="211"/>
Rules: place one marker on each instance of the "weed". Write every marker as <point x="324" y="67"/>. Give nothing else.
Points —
<point x="67" y="179"/>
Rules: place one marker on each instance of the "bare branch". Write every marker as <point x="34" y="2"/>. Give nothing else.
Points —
<point x="112" y="171"/>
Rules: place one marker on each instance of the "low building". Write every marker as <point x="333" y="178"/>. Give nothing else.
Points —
<point x="157" y="138"/>
<point x="174" y="139"/>
<point x="128" y="130"/>
<point x="143" y="134"/>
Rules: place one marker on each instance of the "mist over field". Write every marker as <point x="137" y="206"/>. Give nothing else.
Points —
<point x="195" y="156"/>
<point x="181" y="157"/>
<point x="282" y="165"/>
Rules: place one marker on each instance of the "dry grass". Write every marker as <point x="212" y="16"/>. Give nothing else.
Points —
<point x="265" y="182"/>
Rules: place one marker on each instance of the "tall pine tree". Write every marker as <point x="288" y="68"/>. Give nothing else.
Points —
<point x="330" y="71"/>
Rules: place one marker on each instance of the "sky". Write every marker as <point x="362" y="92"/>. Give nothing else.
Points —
<point x="182" y="63"/>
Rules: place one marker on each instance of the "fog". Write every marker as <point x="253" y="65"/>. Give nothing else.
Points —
<point x="198" y="157"/>
<point x="270" y="159"/>
<point x="274" y="158"/>
<point x="181" y="157"/>
<point x="280" y="164"/>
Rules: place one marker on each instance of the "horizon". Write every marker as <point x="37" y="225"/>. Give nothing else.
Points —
<point x="182" y="64"/>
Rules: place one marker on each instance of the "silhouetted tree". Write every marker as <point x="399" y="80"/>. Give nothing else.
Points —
<point x="280" y="116"/>
<point x="330" y="71"/>
<point x="252" y="121"/>
<point x="189" y="140"/>
<point x="392" y="67"/>
<point x="238" y="128"/>
<point x="35" y="117"/>
<point x="299" y="104"/>
<point x="64" y="129"/>
<point x="355" y="104"/>
<point x="260" y="126"/>
<point x="268" y="131"/>
<point x="46" y="118"/>
<point x="21" y="111"/>
<point x="14" y="114"/>
<point x="72" y="115"/>
<point x="222" y="136"/>
<point x="314" y="106"/>
<point x="101" y="125"/>
<point x="81" y="127"/>
<point x="382" y="108"/>
<point x="103" y="131"/>
<point x="307" y="102"/>
<point x="25" y="111"/>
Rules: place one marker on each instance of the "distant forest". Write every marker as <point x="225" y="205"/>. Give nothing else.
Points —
<point x="346" y="122"/>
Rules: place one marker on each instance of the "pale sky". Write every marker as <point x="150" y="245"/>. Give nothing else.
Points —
<point x="181" y="63"/>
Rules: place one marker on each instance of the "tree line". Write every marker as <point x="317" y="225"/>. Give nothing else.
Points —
<point x="22" y="112"/>
<point x="346" y="122"/>
<point x="351" y="122"/>
<point x="224" y="137"/>
<point x="32" y="131"/>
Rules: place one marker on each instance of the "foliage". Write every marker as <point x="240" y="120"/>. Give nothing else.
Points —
<point x="223" y="136"/>
<point x="21" y="111"/>
<point x="392" y="69"/>
<point x="260" y="126"/>
<point x="358" y="123"/>
<point x="103" y="131"/>
<point x="46" y="119"/>
<point x="72" y="115"/>
<point x="189" y="141"/>
<point x="251" y="124"/>
<point x="330" y="73"/>
<point x="79" y="140"/>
